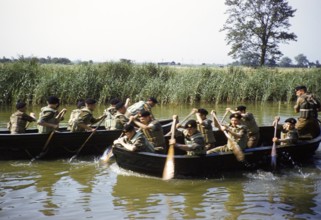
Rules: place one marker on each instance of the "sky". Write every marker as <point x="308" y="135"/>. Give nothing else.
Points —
<point x="184" y="31"/>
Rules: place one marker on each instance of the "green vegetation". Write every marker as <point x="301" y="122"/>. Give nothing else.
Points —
<point x="34" y="82"/>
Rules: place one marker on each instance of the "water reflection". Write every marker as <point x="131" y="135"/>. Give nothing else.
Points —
<point x="258" y="195"/>
<point x="47" y="187"/>
<point x="187" y="199"/>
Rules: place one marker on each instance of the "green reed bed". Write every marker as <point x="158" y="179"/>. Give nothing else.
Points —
<point x="32" y="82"/>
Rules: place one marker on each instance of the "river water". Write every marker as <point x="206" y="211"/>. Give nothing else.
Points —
<point x="89" y="189"/>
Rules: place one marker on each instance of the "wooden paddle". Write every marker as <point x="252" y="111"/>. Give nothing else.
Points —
<point x="82" y="146"/>
<point x="45" y="147"/>
<point x="273" y="151"/>
<point x="181" y="122"/>
<point x="224" y="116"/>
<point x="169" y="170"/>
<point x="235" y="147"/>
<point x="108" y="152"/>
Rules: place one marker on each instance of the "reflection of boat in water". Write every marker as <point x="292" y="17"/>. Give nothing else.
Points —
<point x="63" y="143"/>
<point x="215" y="164"/>
<point x="142" y="197"/>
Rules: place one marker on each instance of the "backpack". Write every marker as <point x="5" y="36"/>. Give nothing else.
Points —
<point x="312" y="102"/>
<point x="110" y="118"/>
<point x="74" y="115"/>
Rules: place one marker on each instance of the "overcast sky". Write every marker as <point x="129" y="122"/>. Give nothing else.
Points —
<point x="185" y="31"/>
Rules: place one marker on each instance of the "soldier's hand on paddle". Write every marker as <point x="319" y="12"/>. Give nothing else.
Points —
<point x="172" y="141"/>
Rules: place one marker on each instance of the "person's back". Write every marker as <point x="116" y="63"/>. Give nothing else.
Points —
<point x="74" y="115"/>
<point x="19" y="119"/>
<point x="49" y="117"/>
<point x="86" y="117"/>
<point x="307" y="108"/>
<point x="110" y="113"/>
<point x="119" y="119"/>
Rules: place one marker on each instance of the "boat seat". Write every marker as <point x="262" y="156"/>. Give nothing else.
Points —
<point x="305" y="137"/>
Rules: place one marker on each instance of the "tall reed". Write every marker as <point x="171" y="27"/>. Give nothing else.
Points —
<point x="33" y="82"/>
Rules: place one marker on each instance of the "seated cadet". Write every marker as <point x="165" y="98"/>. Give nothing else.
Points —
<point x="19" y="119"/>
<point x="236" y="131"/>
<point x="133" y="141"/>
<point x="120" y="119"/>
<point x="194" y="140"/>
<point x="291" y="135"/>
<point x="86" y="117"/>
<point x="249" y="121"/>
<point x="152" y="130"/>
<point x="75" y="113"/>
<point x="49" y="117"/>
<point x="205" y="127"/>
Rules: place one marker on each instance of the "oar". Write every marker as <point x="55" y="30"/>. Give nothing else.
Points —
<point x="108" y="152"/>
<point x="224" y="116"/>
<point x="168" y="172"/>
<point x="235" y="147"/>
<point x="45" y="147"/>
<point x="273" y="151"/>
<point x="181" y="122"/>
<point x="82" y="146"/>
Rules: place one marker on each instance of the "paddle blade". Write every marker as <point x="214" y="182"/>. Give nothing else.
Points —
<point x="273" y="156"/>
<point x="168" y="172"/>
<point x="107" y="155"/>
<point x="73" y="157"/>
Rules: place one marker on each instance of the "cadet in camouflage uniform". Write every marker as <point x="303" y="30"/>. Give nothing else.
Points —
<point x="19" y="119"/>
<point x="120" y="119"/>
<point x="86" y="117"/>
<point x="152" y="130"/>
<point x="205" y="127"/>
<point x="49" y="117"/>
<point x="236" y="131"/>
<point x="308" y="106"/>
<point x="133" y="141"/>
<point x="75" y="114"/>
<point x="194" y="140"/>
<point x="291" y="135"/>
<point x="249" y="121"/>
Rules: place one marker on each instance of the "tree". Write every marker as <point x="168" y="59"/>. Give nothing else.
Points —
<point x="257" y="27"/>
<point x="285" y="62"/>
<point x="301" y="60"/>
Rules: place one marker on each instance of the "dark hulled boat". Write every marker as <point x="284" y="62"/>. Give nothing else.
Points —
<point x="217" y="163"/>
<point x="63" y="143"/>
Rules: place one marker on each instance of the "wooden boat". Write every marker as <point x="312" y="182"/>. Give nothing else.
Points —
<point x="217" y="163"/>
<point x="63" y="143"/>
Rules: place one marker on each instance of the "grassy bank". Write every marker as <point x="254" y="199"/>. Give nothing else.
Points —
<point x="33" y="82"/>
